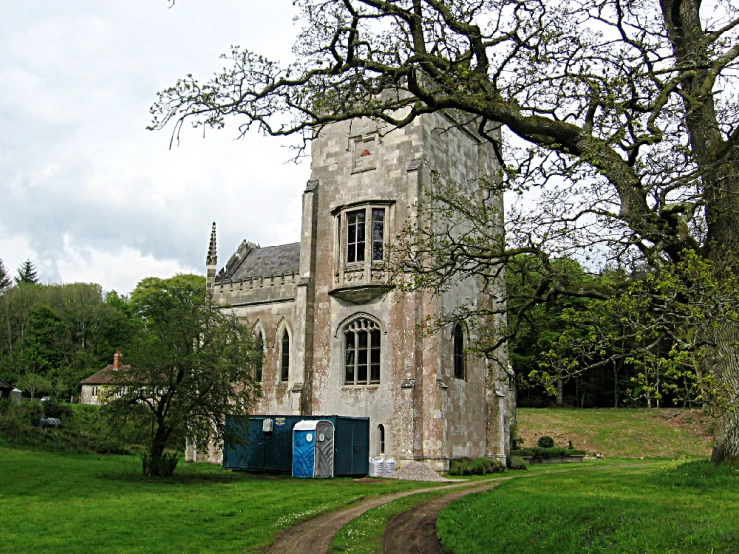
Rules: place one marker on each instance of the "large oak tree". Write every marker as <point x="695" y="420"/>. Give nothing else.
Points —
<point x="627" y="109"/>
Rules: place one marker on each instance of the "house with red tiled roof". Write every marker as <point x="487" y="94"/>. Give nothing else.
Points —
<point x="98" y="385"/>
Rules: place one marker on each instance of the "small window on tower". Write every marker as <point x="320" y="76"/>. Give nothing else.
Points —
<point x="459" y="369"/>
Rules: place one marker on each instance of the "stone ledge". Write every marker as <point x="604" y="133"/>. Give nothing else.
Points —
<point x="360" y="294"/>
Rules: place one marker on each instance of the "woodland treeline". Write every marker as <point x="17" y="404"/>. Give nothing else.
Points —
<point x="586" y="351"/>
<point x="53" y="336"/>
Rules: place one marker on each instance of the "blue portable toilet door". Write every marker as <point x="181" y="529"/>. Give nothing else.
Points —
<point x="304" y="452"/>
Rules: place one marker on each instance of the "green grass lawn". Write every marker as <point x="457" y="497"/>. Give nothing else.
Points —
<point x="627" y="433"/>
<point x="89" y="503"/>
<point x="654" y="507"/>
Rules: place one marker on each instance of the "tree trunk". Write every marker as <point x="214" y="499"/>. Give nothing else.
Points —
<point x="719" y="168"/>
<point x="560" y="390"/>
<point x="615" y="385"/>
<point x="725" y="369"/>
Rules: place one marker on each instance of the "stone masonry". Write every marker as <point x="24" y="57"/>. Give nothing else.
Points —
<point x="355" y="345"/>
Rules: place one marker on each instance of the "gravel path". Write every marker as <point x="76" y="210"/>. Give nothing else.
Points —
<point x="416" y="471"/>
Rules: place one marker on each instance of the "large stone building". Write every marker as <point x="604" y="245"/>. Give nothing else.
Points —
<point x="339" y="338"/>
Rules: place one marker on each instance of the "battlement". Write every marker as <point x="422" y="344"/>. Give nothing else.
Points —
<point x="257" y="290"/>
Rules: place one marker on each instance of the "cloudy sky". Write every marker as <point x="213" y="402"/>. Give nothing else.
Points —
<point x="86" y="192"/>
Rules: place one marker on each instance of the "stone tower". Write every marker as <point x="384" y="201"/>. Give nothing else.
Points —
<point x="339" y="337"/>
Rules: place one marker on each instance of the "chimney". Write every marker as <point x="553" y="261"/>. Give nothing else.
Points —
<point x="117" y="359"/>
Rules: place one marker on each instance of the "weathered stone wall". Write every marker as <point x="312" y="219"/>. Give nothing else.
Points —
<point x="427" y="414"/>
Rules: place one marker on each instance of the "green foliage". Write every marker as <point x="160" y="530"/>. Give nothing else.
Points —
<point x="52" y="408"/>
<point x="61" y="334"/>
<point x="190" y="365"/>
<point x="83" y="429"/>
<point x="540" y="453"/>
<point x="517" y="462"/>
<point x="545" y="441"/>
<point x="162" y="466"/>
<point x="478" y="466"/>
<point x="36" y="385"/>
<point x="26" y="274"/>
<point x="5" y="280"/>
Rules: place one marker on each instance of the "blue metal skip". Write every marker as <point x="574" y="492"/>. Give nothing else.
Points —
<point x="273" y="451"/>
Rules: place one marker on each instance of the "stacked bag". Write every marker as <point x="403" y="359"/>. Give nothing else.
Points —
<point x="380" y="467"/>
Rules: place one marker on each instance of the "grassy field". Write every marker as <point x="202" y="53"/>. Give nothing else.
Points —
<point x="90" y="503"/>
<point x="653" y="507"/>
<point x="629" y="433"/>
<point x="75" y="502"/>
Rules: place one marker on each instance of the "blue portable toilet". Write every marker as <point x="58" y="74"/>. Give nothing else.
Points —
<point x="313" y="449"/>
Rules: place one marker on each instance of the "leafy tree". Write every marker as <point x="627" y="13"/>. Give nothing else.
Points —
<point x="5" y="281"/>
<point x="624" y="114"/>
<point x="46" y="342"/>
<point x="35" y="384"/>
<point x="63" y="332"/>
<point x="190" y="365"/>
<point x="26" y="273"/>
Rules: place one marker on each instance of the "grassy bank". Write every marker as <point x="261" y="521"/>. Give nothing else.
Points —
<point x="655" y="507"/>
<point x="629" y="433"/>
<point x="89" y="503"/>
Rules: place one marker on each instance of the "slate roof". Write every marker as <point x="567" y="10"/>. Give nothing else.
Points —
<point x="104" y="376"/>
<point x="267" y="262"/>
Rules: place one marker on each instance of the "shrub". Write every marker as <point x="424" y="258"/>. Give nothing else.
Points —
<point x="162" y="468"/>
<point x="83" y="428"/>
<point x="547" y="453"/>
<point x="52" y="408"/>
<point x="517" y="462"/>
<point x="545" y="442"/>
<point x="479" y="466"/>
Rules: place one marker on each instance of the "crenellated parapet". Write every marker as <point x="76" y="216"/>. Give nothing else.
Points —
<point x="257" y="290"/>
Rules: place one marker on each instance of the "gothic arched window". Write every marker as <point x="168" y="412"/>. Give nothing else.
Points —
<point x="459" y="369"/>
<point x="362" y="352"/>
<point x="285" y="356"/>
<point x="260" y="363"/>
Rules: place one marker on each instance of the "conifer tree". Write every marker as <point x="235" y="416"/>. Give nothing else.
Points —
<point x="5" y="281"/>
<point x="26" y="273"/>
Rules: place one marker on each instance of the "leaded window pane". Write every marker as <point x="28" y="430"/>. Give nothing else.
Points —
<point x="362" y="353"/>
<point x="378" y="231"/>
<point x="355" y="236"/>
<point x="285" y="358"/>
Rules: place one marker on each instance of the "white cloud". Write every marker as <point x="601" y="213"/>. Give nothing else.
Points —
<point x="120" y="270"/>
<point x="84" y="188"/>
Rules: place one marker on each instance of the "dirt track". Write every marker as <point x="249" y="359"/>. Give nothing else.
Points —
<point x="314" y="536"/>
<point x="414" y="531"/>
